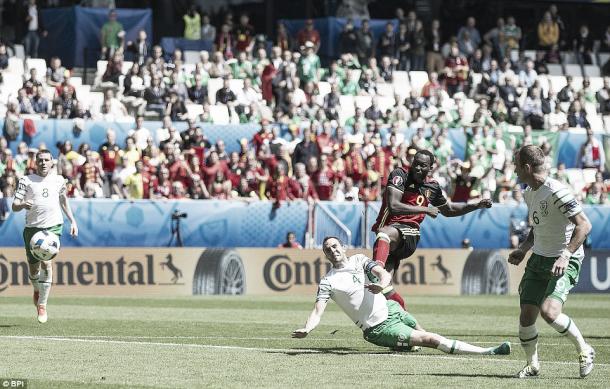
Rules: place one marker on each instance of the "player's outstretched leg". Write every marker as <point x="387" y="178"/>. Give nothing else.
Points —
<point x="563" y="324"/>
<point x="46" y="277"/>
<point x="453" y="346"/>
<point x="385" y="239"/>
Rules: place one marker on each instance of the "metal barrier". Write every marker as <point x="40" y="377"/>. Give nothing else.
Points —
<point x="371" y="210"/>
<point x="325" y="223"/>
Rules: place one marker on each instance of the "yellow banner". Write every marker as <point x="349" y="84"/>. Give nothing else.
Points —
<point x="192" y="271"/>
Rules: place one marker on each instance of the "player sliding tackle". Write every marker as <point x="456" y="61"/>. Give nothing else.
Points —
<point x="383" y="321"/>
<point x="43" y="196"/>
<point x="559" y="227"/>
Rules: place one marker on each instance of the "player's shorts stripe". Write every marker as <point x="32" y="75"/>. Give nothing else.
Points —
<point x="452" y="347"/>
<point x="528" y="340"/>
<point x="385" y="216"/>
<point x="567" y="327"/>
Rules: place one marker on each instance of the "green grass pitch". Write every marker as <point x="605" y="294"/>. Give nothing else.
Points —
<point x="220" y="342"/>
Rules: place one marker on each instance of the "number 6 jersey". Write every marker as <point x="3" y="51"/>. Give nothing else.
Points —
<point x="549" y="209"/>
<point x="44" y="193"/>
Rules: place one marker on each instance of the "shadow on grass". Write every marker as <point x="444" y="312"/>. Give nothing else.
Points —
<point x="325" y="350"/>
<point x="8" y="325"/>
<point x="482" y="375"/>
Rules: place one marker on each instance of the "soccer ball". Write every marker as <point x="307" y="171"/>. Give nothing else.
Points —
<point x="44" y="245"/>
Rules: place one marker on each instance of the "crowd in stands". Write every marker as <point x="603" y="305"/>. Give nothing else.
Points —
<point x="331" y="132"/>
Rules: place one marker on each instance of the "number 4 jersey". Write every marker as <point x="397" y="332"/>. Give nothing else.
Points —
<point x="44" y="194"/>
<point x="549" y="209"/>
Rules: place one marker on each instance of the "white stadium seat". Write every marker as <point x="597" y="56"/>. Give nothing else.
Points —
<point x="346" y="108"/>
<point x="220" y="114"/>
<point x="592" y="71"/>
<point x="597" y="83"/>
<point x="323" y="88"/>
<point x="363" y="102"/>
<point x="557" y="82"/>
<point x="554" y="69"/>
<point x="39" y="64"/>
<point x="194" y="110"/>
<point x="418" y="80"/>
<point x="191" y="57"/>
<point x="214" y="84"/>
<point x="15" y="66"/>
<point x="573" y="70"/>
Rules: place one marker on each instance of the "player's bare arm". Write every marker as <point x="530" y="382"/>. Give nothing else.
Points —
<point x="312" y="321"/>
<point x="458" y="209"/>
<point x="18" y="205"/>
<point x="397" y="207"/>
<point x="384" y="278"/>
<point x="581" y="229"/>
<point x="65" y="207"/>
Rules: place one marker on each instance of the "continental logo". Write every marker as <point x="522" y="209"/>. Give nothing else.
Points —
<point x="281" y="272"/>
<point x="119" y="271"/>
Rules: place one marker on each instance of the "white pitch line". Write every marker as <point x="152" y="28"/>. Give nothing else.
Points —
<point x="274" y="350"/>
<point x="238" y="338"/>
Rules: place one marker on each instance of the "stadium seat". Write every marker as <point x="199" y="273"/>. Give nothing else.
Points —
<point x="220" y="114"/>
<point x="531" y="54"/>
<point x="76" y="81"/>
<point x="15" y="66"/>
<point x="363" y="102"/>
<point x="400" y="80"/>
<point x="476" y="80"/>
<point x="554" y="69"/>
<point x="191" y="57"/>
<point x="10" y="86"/>
<point x="194" y="110"/>
<point x="19" y="51"/>
<point x="606" y="120"/>
<point x="385" y="90"/>
<point x="127" y="65"/>
<point x="597" y="83"/>
<point x="588" y="175"/>
<point x="544" y="83"/>
<point x="596" y="122"/>
<point x="39" y="64"/>
<point x="95" y="101"/>
<point x="214" y="84"/>
<point x="569" y="58"/>
<point x="470" y="107"/>
<point x="592" y="71"/>
<point x="514" y="55"/>
<point x="323" y="88"/>
<point x="603" y="58"/>
<point x="100" y="70"/>
<point x="346" y="108"/>
<point x="236" y="85"/>
<point x="557" y="82"/>
<point x="573" y="70"/>
<point x="418" y="80"/>
<point x="188" y="68"/>
<point x="385" y="103"/>
<point x="83" y="94"/>
<point x="577" y="83"/>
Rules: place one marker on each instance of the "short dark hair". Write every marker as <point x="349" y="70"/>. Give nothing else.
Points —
<point x="329" y="238"/>
<point x="531" y="155"/>
<point x="428" y="153"/>
<point x="44" y="151"/>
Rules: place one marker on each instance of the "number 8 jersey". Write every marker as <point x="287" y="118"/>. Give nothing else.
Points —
<point x="549" y="209"/>
<point x="44" y="194"/>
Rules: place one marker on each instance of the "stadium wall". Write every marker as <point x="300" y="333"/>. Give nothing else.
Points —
<point x="198" y="271"/>
<point x="223" y="223"/>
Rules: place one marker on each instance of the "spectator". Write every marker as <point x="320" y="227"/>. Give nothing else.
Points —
<point x="591" y="154"/>
<point x="603" y="97"/>
<point x="208" y="31"/>
<point x="548" y="32"/>
<point x="55" y="72"/>
<point x="472" y="36"/>
<point x="225" y="95"/>
<point x="403" y="46"/>
<point x="366" y="42"/>
<point x="577" y="117"/>
<point x="583" y="46"/>
<point x="309" y="34"/>
<point x="3" y="57"/>
<point x="291" y="242"/>
<point x="456" y="71"/>
<point x="244" y="32"/>
<point x="35" y="29"/>
<point x="155" y="96"/>
<point x="140" y="48"/>
<point x="434" y="43"/>
<point x="192" y="24"/>
<point x="386" y="45"/>
<point x="418" y="47"/>
<point x="495" y="38"/>
<point x="558" y="120"/>
<point x="309" y="64"/>
<point x="224" y="42"/>
<point x="114" y="69"/>
<point x="349" y="38"/>
<point x="511" y="35"/>
<point x="305" y="149"/>
<point x="112" y="35"/>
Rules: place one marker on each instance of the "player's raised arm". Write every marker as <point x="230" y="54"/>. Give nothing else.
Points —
<point x="384" y="279"/>
<point x="65" y="207"/>
<point x="19" y="201"/>
<point x="458" y="209"/>
<point x="313" y="320"/>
